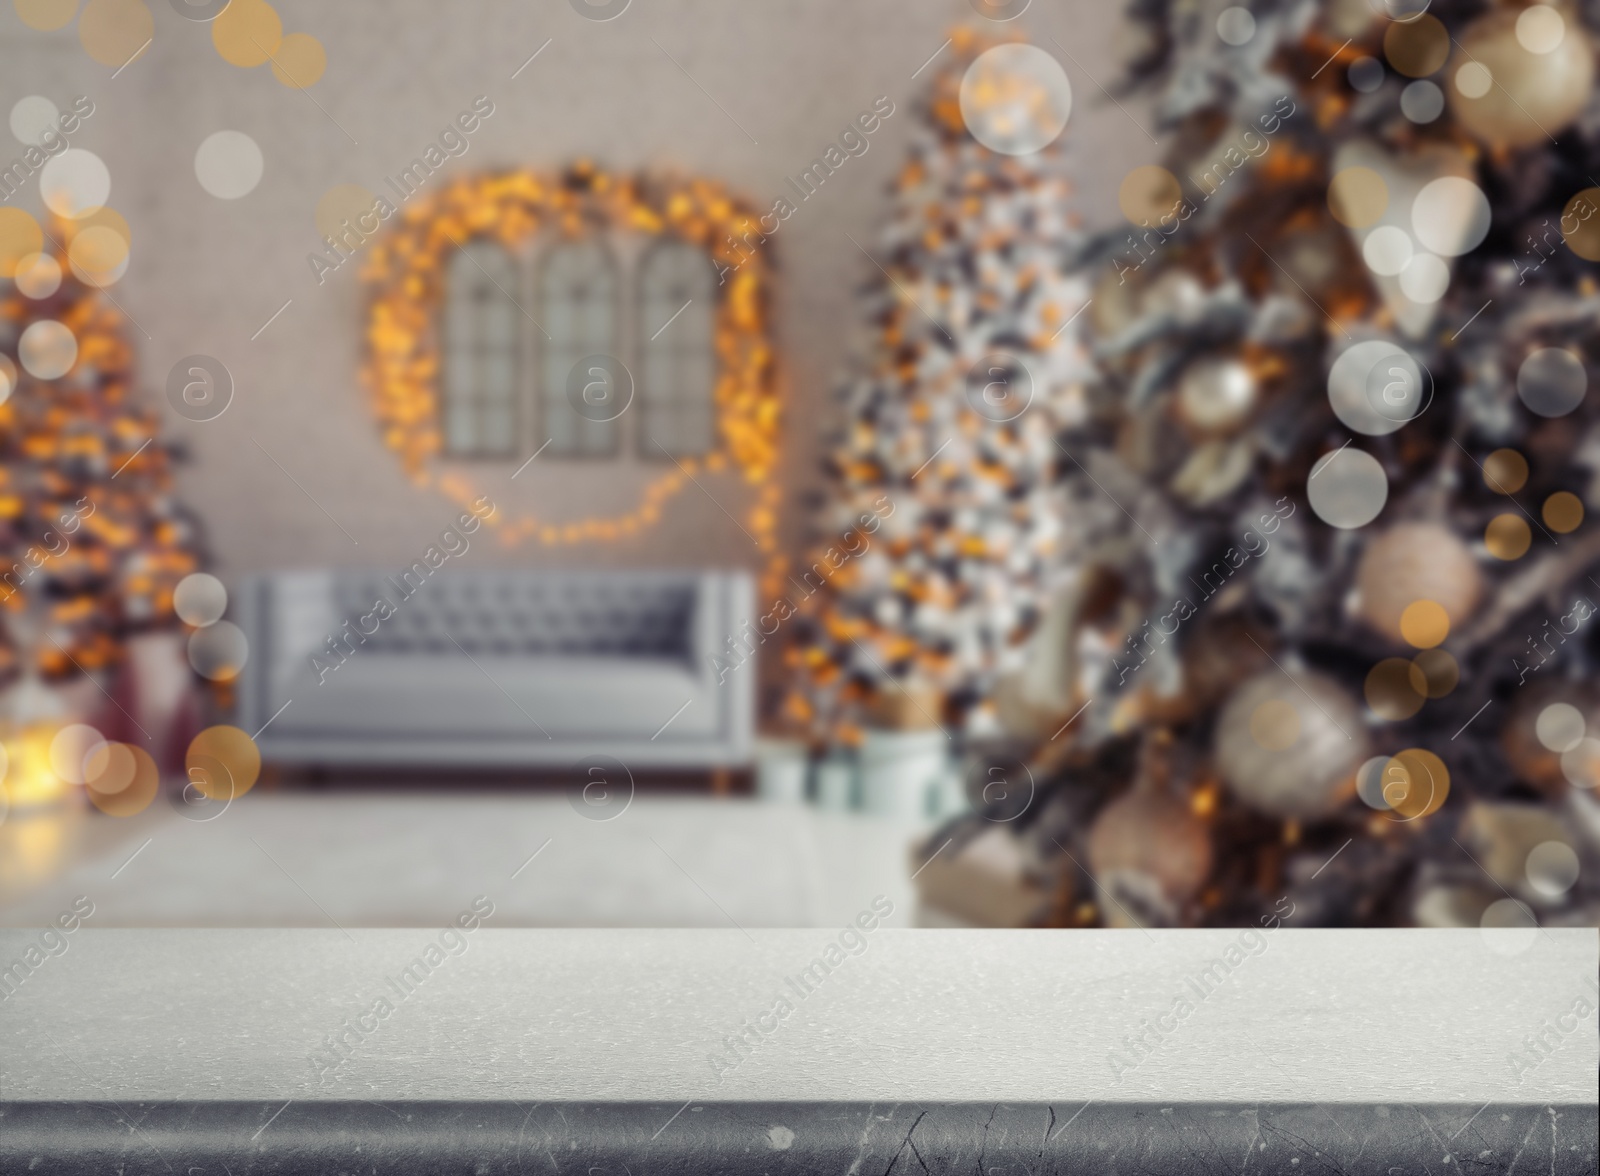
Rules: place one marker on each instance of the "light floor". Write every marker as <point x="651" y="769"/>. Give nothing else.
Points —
<point x="276" y="859"/>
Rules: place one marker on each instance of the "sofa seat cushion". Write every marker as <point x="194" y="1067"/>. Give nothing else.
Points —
<point x="418" y="695"/>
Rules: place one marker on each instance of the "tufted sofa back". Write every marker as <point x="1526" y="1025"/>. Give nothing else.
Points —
<point x="573" y="614"/>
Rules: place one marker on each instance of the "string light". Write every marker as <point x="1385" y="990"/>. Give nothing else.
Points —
<point x="402" y="368"/>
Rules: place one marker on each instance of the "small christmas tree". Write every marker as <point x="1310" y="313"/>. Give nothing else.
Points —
<point x="92" y="542"/>
<point x="936" y="544"/>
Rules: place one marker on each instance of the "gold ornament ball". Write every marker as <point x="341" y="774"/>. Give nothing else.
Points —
<point x="1290" y="748"/>
<point x="1216" y="395"/>
<point x="1155" y="836"/>
<point x="1411" y="562"/>
<point x="1532" y="95"/>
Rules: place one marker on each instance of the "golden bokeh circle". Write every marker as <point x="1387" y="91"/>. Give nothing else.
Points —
<point x="1415" y="783"/>
<point x="1474" y="80"/>
<point x="341" y="208"/>
<point x="136" y="795"/>
<point x="1149" y="193"/>
<point x="1391" y="691"/>
<point x="1417" y="47"/>
<point x="247" y="32"/>
<point x="234" y="751"/>
<point x="102" y="217"/>
<point x="1275" y="724"/>
<point x="1358" y="197"/>
<point x="1505" y="471"/>
<point x="38" y="275"/>
<point x="1507" y="536"/>
<point x="1563" y="512"/>
<point x="1580" y="224"/>
<point x="1424" y="623"/>
<point x="20" y="236"/>
<point x="110" y="768"/>
<point x="299" y="61"/>
<point x="113" y="32"/>
<point x="1434" y="673"/>
<point x="46" y="15"/>
<point x="96" y="253"/>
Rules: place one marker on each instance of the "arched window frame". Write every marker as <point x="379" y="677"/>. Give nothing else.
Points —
<point x="578" y="284"/>
<point x="482" y="382"/>
<point x="675" y="299"/>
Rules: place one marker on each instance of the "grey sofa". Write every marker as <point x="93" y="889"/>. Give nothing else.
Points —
<point x="496" y="668"/>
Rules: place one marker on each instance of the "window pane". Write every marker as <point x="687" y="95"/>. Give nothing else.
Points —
<point x="480" y="351"/>
<point x="677" y="317"/>
<point x="578" y="309"/>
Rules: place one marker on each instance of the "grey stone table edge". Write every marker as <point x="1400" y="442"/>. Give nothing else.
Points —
<point x="742" y="1139"/>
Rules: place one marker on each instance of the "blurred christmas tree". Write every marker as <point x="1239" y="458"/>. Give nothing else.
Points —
<point x="1328" y="643"/>
<point x="939" y="534"/>
<point x="92" y="542"/>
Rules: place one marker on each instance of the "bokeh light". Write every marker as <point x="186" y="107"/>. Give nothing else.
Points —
<point x="1149" y="193"/>
<point x="299" y="61"/>
<point x="1416" y="783"/>
<point x="46" y="15"/>
<point x="114" y="31"/>
<point x="1552" y="381"/>
<point x="1580" y="226"/>
<point x="71" y="750"/>
<point x="1357" y="197"/>
<point x="1417" y="47"/>
<point x="1552" y="868"/>
<point x="1424" y="623"/>
<point x="38" y="275"/>
<point x="20" y="236"/>
<point x="1508" y="927"/>
<point x="1015" y="99"/>
<point x="98" y="255"/>
<point x="200" y="599"/>
<point x="1347" y="488"/>
<point x="1422" y="102"/>
<point x="1450" y="216"/>
<point x="1434" y="673"/>
<point x="1391" y="692"/>
<point x="229" y="164"/>
<point x="1425" y="279"/>
<point x="218" y="651"/>
<point x="1473" y="80"/>
<point x="32" y="119"/>
<point x="1580" y="763"/>
<point x="135" y="796"/>
<point x="247" y="32"/>
<point x="48" y="349"/>
<point x="1236" y="25"/>
<point x="1505" y="471"/>
<point x="223" y="762"/>
<point x="1560" y="727"/>
<point x="1507" y="536"/>
<point x="1541" y="29"/>
<point x="1563" y="512"/>
<point x="74" y="183"/>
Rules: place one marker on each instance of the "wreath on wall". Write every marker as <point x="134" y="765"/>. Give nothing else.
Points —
<point x="407" y="269"/>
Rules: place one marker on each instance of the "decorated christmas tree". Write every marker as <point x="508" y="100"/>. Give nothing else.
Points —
<point x="1326" y="650"/>
<point x="92" y="542"/>
<point x="939" y="535"/>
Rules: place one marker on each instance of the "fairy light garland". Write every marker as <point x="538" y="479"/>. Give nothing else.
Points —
<point x="403" y="345"/>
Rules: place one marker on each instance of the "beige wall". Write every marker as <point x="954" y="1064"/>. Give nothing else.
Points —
<point x="206" y="273"/>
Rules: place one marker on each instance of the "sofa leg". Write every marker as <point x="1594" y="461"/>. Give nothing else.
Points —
<point x="721" y="782"/>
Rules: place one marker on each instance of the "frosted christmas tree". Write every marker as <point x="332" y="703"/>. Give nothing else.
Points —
<point x="942" y="532"/>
